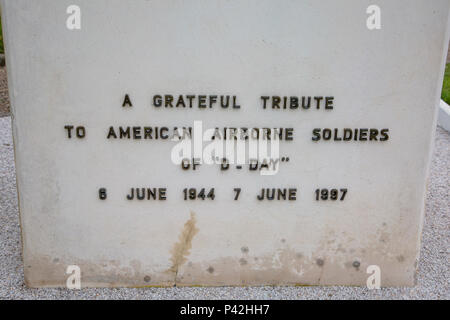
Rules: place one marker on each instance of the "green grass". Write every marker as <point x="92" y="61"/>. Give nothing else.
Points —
<point x="446" y="86"/>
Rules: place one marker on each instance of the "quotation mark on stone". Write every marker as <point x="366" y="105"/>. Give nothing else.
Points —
<point x="374" y="19"/>
<point x="73" y="22"/>
<point x="74" y="280"/>
<point x="374" y="280"/>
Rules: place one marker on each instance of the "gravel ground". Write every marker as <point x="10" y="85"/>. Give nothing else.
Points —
<point x="433" y="280"/>
<point x="4" y="99"/>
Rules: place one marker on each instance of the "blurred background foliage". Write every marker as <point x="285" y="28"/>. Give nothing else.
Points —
<point x="446" y="85"/>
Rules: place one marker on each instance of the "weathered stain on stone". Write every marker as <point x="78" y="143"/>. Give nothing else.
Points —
<point x="136" y="265"/>
<point x="340" y="248"/>
<point x="400" y="258"/>
<point x="182" y="248"/>
<point x="245" y="250"/>
<point x="267" y="268"/>
<point x="282" y="269"/>
<point x="43" y="272"/>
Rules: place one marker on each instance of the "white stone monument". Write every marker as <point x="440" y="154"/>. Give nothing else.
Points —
<point x="106" y="94"/>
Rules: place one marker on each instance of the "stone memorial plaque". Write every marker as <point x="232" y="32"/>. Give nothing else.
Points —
<point x="325" y="112"/>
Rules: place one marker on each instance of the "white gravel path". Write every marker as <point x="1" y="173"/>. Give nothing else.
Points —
<point x="433" y="277"/>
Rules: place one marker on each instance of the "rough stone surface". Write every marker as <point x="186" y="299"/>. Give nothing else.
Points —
<point x="432" y="279"/>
